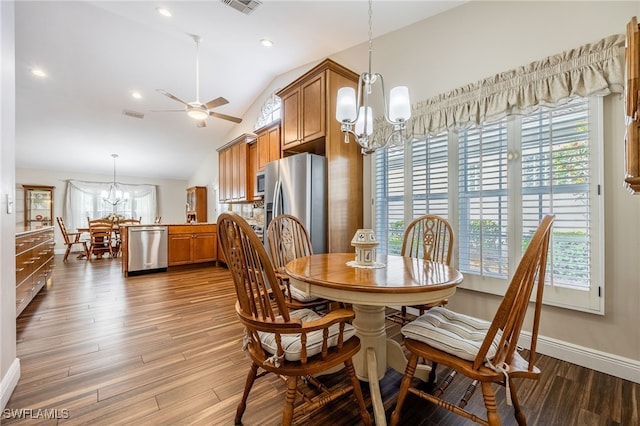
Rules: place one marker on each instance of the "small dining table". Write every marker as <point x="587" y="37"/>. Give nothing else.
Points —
<point x="391" y="281"/>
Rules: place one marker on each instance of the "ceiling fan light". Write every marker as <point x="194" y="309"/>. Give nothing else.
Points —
<point x="197" y="114"/>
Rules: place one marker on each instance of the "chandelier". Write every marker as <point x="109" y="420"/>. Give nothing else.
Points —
<point x="356" y="115"/>
<point x="114" y="196"/>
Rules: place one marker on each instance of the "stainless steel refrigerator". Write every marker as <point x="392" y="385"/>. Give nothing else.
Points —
<point x="296" y="185"/>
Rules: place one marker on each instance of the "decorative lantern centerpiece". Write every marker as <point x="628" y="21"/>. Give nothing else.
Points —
<point x="365" y="243"/>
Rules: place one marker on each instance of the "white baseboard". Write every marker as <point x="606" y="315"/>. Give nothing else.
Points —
<point x="615" y="365"/>
<point x="9" y="382"/>
<point x="625" y="368"/>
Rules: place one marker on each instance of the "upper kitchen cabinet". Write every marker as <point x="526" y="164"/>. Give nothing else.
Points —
<point x="197" y="204"/>
<point x="303" y="111"/>
<point x="234" y="179"/>
<point x="268" y="144"/>
<point x="309" y="125"/>
<point x="38" y="205"/>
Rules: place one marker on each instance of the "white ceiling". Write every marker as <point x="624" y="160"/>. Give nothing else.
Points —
<point x="96" y="53"/>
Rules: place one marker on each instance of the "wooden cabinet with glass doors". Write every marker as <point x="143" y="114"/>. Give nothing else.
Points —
<point x="197" y="204"/>
<point x="38" y="206"/>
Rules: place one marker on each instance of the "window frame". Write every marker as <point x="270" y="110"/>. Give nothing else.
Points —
<point x="588" y="300"/>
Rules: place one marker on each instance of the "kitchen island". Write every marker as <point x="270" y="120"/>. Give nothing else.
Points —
<point x="187" y="243"/>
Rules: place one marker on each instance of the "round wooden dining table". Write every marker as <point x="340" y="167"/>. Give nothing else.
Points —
<point x="393" y="281"/>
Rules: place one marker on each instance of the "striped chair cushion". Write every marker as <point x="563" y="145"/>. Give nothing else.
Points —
<point x="301" y="296"/>
<point x="291" y="342"/>
<point x="451" y="332"/>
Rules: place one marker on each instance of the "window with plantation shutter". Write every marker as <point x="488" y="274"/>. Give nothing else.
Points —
<point x="495" y="183"/>
<point x="482" y="192"/>
<point x="424" y="190"/>
<point x="390" y="199"/>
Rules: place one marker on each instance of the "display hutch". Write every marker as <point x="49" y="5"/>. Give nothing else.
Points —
<point x="38" y="205"/>
<point x="197" y="204"/>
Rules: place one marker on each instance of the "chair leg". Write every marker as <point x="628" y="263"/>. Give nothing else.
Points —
<point x="517" y="411"/>
<point x="432" y="373"/>
<point x="251" y="377"/>
<point x="289" y="399"/>
<point x="404" y="388"/>
<point x="351" y="372"/>
<point x="66" y="253"/>
<point x="490" y="404"/>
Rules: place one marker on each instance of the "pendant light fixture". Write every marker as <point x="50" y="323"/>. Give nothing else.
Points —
<point x="356" y="115"/>
<point x="114" y="196"/>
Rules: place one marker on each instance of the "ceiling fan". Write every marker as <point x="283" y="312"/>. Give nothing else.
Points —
<point x="197" y="110"/>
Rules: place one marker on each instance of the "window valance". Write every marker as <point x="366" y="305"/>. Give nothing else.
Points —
<point x="592" y="69"/>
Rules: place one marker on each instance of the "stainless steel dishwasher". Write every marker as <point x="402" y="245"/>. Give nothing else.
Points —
<point x="147" y="249"/>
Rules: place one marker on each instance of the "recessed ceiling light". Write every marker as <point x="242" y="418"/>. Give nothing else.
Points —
<point x="164" y="12"/>
<point x="136" y="95"/>
<point x="38" y="72"/>
<point x="266" y="42"/>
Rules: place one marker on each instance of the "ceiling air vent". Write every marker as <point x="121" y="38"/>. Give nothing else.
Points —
<point x="244" y="6"/>
<point x="134" y="114"/>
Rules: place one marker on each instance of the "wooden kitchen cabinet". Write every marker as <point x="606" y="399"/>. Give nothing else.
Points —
<point x="34" y="264"/>
<point x="252" y="169"/>
<point x="235" y="183"/>
<point x="309" y="125"/>
<point x="268" y="144"/>
<point x="303" y="111"/>
<point x="197" y="204"/>
<point x="192" y="244"/>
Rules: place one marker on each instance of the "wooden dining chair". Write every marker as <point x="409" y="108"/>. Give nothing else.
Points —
<point x="288" y="239"/>
<point x="291" y="344"/>
<point x="117" y="240"/>
<point x="71" y="239"/>
<point x="484" y="351"/>
<point x="101" y="237"/>
<point x="429" y="237"/>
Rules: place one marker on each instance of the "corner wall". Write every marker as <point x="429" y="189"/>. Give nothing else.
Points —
<point x="9" y="363"/>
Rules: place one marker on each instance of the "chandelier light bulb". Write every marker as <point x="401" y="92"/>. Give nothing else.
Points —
<point x="399" y="104"/>
<point x="346" y="106"/>
<point x="361" y="119"/>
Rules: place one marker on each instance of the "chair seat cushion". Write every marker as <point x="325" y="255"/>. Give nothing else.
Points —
<point x="291" y="343"/>
<point x="301" y="296"/>
<point x="451" y="332"/>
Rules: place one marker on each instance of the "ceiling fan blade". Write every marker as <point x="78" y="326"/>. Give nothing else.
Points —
<point x="201" y="123"/>
<point x="175" y="98"/>
<point x="216" y="103"/>
<point x="225" y="117"/>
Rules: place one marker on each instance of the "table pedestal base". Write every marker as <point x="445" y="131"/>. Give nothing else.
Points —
<point x="377" y="353"/>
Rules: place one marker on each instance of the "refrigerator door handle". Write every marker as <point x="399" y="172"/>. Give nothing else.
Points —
<point x="276" y="197"/>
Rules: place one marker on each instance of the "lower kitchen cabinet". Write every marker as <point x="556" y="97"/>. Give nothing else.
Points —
<point x="192" y="244"/>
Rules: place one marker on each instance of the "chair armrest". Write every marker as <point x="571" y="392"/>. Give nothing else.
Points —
<point x="74" y="236"/>
<point x="333" y="317"/>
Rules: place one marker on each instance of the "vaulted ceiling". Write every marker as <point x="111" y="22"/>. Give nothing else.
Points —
<point x="95" y="54"/>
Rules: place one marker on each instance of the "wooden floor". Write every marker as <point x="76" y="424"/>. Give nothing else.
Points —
<point x="165" y="349"/>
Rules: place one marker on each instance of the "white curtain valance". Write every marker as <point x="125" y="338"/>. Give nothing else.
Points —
<point x="592" y="69"/>
<point x="95" y="188"/>
<point x="85" y="199"/>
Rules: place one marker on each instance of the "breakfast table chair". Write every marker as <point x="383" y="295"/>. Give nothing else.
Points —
<point x="291" y="344"/>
